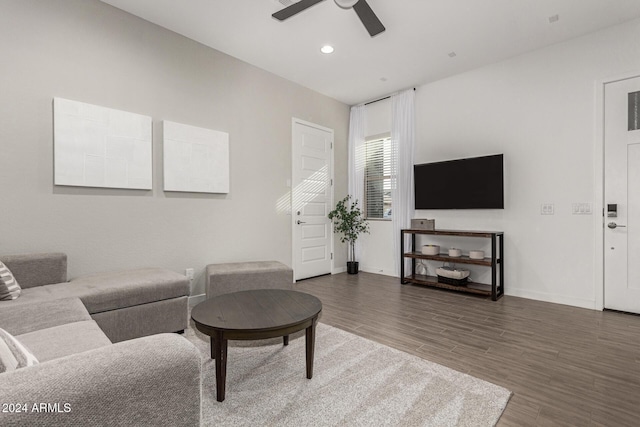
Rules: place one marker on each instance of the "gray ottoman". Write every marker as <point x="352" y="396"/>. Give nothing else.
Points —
<point x="244" y="276"/>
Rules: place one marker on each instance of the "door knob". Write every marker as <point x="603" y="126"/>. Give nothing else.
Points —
<point x="301" y="222"/>
<point x="613" y="225"/>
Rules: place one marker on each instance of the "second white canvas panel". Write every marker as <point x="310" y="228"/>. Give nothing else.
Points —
<point x="195" y="159"/>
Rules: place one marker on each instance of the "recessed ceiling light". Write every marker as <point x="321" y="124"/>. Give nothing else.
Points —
<point x="326" y="49"/>
<point x="383" y="79"/>
<point x="554" y="18"/>
<point x="452" y="54"/>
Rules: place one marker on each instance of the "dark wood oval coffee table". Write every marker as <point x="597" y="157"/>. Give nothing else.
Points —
<point x="254" y="315"/>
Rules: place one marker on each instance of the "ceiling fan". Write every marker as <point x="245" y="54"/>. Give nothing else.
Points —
<point x="362" y="8"/>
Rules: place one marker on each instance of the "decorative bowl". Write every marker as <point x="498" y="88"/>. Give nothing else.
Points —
<point x="431" y="250"/>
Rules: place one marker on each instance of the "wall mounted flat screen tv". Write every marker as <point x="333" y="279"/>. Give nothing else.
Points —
<point x="472" y="183"/>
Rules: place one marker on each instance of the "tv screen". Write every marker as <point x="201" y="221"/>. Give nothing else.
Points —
<point x="473" y="183"/>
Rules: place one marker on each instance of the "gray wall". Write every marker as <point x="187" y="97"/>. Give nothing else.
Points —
<point x="87" y="51"/>
<point x="542" y="110"/>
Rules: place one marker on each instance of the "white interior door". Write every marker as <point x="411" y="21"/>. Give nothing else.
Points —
<point x="622" y="188"/>
<point x="312" y="199"/>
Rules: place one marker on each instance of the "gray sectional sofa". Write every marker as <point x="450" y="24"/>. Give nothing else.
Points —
<point x="104" y="355"/>
<point x="125" y="304"/>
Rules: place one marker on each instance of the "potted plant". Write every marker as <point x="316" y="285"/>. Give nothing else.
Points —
<point x="348" y="220"/>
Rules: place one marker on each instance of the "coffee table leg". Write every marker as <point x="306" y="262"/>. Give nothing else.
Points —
<point x="221" y="365"/>
<point x="213" y="347"/>
<point x="310" y="341"/>
<point x="285" y="339"/>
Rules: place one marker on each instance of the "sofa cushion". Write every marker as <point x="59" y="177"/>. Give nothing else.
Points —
<point x="37" y="269"/>
<point x="151" y="381"/>
<point x="13" y="353"/>
<point x="64" y="340"/>
<point x="111" y="291"/>
<point x="9" y="287"/>
<point x="241" y="276"/>
<point x="18" y="318"/>
<point x="168" y="315"/>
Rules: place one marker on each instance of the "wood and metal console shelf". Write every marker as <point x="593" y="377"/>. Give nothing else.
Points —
<point x="496" y="262"/>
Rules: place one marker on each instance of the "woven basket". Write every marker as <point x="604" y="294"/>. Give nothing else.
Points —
<point x="454" y="282"/>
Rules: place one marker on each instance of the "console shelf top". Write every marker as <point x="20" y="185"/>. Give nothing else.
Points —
<point x="466" y="233"/>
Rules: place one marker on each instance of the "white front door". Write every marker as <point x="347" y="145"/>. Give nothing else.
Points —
<point x="622" y="189"/>
<point x="312" y="199"/>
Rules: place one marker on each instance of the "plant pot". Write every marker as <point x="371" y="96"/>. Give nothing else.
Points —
<point x="352" y="267"/>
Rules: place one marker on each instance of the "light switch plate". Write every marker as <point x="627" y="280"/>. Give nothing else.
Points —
<point x="581" y="208"/>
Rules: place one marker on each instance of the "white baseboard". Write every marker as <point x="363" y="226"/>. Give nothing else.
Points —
<point x="196" y="299"/>
<point x="557" y="299"/>
<point x="378" y="270"/>
<point x="366" y="269"/>
<point x="338" y="270"/>
<point x="522" y="293"/>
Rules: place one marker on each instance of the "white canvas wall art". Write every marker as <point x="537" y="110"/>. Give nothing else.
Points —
<point x="96" y="146"/>
<point x="195" y="159"/>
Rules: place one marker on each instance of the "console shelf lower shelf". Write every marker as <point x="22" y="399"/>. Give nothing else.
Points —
<point x="469" y="287"/>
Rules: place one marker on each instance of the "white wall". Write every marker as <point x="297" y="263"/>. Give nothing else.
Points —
<point x="539" y="109"/>
<point x="88" y="51"/>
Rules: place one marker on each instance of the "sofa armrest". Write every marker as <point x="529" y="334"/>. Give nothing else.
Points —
<point x="147" y="381"/>
<point x="24" y="318"/>
<point x="37" y="269"/>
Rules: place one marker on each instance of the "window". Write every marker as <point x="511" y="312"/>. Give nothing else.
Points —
<point x="634" y="111"/>
<point x="377" y="176"/>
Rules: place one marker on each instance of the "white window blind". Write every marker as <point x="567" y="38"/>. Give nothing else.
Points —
<point x="634" y="111"/>
<point x="378" y="179"/>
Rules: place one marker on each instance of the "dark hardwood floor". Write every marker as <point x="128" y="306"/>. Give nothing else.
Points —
<point x="564" y="365"/>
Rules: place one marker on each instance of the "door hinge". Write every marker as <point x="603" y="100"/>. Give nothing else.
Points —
<point x="332" y="145"/>
<point x="331" y="180"/>
<point x="331" y="255"/>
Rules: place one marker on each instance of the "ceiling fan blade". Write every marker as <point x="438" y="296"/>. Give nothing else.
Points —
<point x="368" y="18"/>
<point x="295" y="8"/>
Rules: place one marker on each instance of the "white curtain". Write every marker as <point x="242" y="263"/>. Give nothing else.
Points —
<point x="357" y="160"/>
<point x="402" y="142"/>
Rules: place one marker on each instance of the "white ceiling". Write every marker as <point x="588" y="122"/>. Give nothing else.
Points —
<point x="412" y="51"/>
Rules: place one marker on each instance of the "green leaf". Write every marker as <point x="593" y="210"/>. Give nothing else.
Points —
<point x="348" y="220"/>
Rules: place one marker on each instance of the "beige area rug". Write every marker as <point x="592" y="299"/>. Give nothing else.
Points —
<point x="356" y="382"/>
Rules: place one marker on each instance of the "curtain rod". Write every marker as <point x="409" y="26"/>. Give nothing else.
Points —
<point x="381" y="99"/>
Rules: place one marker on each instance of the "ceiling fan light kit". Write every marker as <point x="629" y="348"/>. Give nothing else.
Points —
<point x="346" y="4"/>
<point x="361" y="7"/>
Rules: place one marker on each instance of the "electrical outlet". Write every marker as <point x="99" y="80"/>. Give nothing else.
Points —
<point x="546" y="209"/>
<point x="189" y="272"/>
